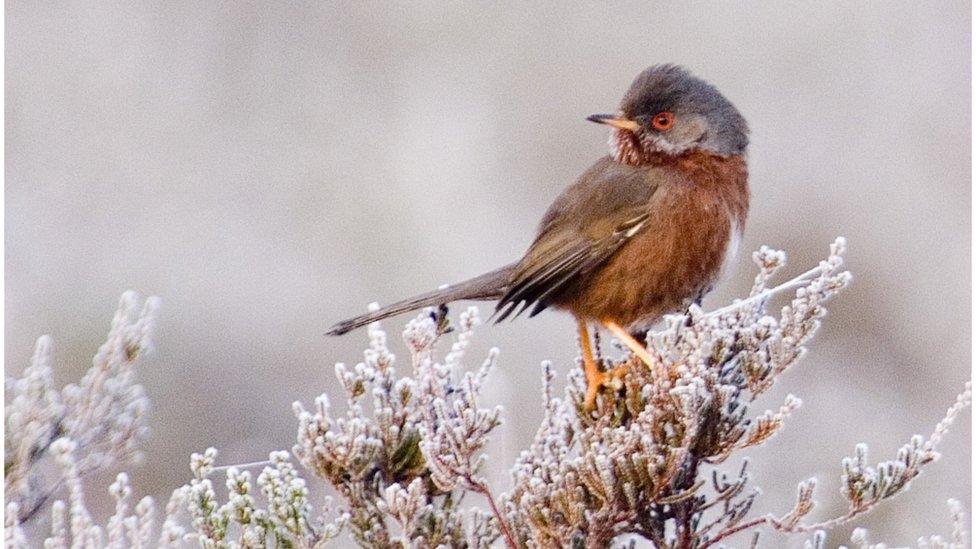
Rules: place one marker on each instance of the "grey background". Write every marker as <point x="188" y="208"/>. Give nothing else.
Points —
<point x="268" y="168"/>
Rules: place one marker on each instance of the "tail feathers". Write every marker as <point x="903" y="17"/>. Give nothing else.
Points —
<point x="480" y="288"/>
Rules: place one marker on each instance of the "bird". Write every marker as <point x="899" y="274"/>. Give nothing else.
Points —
<point x="647" y="230"/>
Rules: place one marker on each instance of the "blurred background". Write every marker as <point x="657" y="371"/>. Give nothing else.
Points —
<point x="269" y="168"/>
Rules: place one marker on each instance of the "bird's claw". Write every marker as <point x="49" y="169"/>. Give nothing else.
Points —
<point x="599" y="380"/>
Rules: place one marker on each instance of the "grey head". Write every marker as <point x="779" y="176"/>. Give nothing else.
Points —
<point x="668" y="111"/>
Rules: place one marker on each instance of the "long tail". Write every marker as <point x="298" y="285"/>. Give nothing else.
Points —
<point x="480" y="288"/>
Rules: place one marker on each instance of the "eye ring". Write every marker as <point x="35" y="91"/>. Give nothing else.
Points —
<point x="662" y="121"/>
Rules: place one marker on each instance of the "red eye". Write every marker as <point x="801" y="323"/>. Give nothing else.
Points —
<point x="662" y="121"/>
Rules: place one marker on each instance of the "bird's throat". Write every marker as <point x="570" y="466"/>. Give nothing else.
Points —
<point x="625" y="147"/>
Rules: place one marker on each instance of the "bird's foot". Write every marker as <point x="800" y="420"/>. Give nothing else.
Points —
<point x="596" y="377"/>
<point x="597" y="380"/>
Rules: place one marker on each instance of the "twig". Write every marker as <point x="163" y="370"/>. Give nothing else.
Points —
<point x="502" y="523"/>
<point x="734" y="530"/>
<point x="788" y="285"/>
<point x="239" y="466"/>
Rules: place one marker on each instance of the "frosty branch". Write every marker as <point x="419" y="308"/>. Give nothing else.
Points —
<point x="403" y="452"/>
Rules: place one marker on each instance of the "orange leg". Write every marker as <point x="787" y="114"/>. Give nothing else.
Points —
<point x="635" y="346"/>
<point x="595" y="378"/>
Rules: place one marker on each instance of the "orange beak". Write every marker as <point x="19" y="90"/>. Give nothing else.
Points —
<point x="615" y="121"/>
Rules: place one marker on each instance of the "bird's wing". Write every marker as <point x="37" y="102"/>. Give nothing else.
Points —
<point x="607" y="206"/>
<point x="563" y="253"/>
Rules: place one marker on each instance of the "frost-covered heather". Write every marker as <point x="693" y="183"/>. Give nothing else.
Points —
<point x="645" y="466"/>
<point x="860" y="538"/>
<point x="404" y="453"/>
<point x="54" y="438"/>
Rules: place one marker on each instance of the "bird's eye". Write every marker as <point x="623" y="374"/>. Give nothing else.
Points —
<point x="663" y="121"/>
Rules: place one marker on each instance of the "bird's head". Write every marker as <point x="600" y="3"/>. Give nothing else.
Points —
<point x="669" y="112"/>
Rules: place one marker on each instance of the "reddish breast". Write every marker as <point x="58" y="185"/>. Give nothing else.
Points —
<point x="701" y="201"/>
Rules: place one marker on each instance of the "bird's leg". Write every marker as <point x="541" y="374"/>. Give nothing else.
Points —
<point x="594" y="377"/>
<point x="631" y="343"/>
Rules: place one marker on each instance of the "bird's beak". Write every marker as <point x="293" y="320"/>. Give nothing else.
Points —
<point x="615" y="121"/>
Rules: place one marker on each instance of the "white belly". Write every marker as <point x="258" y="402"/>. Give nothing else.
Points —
<point x="731" y="251"/>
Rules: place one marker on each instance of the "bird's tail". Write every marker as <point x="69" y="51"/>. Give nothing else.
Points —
<point x="480" y="288"/>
